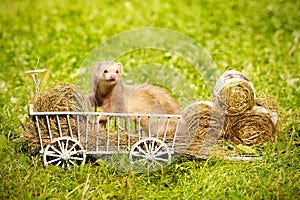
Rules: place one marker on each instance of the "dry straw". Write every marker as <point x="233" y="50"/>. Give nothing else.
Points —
<point x="252" y="127"/>
<point x="234" y="98"/>
<point x="271" y="105"/>
<point x="64" y="97"/>
<point x="83" y="128"/>
<point x="204" y="122"/>
<point x="234" y="93"/>
<point x="104" y="141"/>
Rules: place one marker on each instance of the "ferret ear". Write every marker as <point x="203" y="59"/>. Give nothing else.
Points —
<point x="120" y="66"/>
<point x="97" y="70"/>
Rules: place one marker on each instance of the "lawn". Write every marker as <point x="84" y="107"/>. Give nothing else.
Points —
<point x="259" y="38"/>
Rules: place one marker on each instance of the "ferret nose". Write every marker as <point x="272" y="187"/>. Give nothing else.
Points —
<point x="113" y="77"/>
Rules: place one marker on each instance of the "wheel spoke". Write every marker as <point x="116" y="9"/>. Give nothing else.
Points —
<point x="60" y="146"/>
<point x="153" y="145"/>
<point x="75" y="158"/>
<point x="161" y="153"/>
<point x="157" y="149"/>
<point x="52" y="152"/>
<point x="57" y="164"/>
<point x="150" y="154"/>
<point x="63" y="144"/>
<point x="67" y="142"/>
<point x="76" y="152"/>
<point x="56" y="150"/>
<point x="162" y="159"/>
<point x="74" y="145"/>
<point x="141" y="150"/>
<point x="71" y="161"/>
<point x="146" y="146"/>
<point x="137" y="154"/>
<point x="54" y="160"/>
<point x="53" y="155"/>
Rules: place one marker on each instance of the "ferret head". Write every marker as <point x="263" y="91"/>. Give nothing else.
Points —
<point x="106" y="72"/>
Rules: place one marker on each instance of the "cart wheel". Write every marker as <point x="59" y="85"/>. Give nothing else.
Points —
<point x="64" y="151"/>
<point x="150" y="154"/>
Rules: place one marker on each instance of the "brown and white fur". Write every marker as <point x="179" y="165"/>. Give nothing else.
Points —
<point x="110" y="93"/>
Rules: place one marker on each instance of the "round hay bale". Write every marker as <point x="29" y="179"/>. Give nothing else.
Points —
<point x="271" y="105"/>
<point x="204" y="123"/>
<point x="64" y="97"/>
<point x="234" y="93"/>
<point x="254" y="126"/>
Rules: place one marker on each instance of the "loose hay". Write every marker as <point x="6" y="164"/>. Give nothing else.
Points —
<point x="64" y="97"/>
<point x="252" y="127"/>
<point x="234" y="93"/>
<point x="204" y="122"/>
<point x="104" y="141"/>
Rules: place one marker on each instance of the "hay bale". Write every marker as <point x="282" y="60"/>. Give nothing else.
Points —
<point x="64" y="97"/>
<point x="271" y="105"/>
<point x="254" y="126"/>
<point x="234" y="93"/>
<point x="204" y="123"/>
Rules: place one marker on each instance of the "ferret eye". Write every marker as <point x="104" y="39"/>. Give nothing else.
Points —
<point x="117" y="71"/>
<point x="105" y="71"/>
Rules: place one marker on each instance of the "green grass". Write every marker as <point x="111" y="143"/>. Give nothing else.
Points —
<point x="259" y="38"/>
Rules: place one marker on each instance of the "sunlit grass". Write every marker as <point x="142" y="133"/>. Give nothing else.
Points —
<point x="259" y="38"/>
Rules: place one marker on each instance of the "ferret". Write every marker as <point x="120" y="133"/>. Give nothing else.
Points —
<point x="112" y="95"/>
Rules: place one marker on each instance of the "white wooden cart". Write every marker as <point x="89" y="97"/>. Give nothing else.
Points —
<point x="121" y="135"/>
